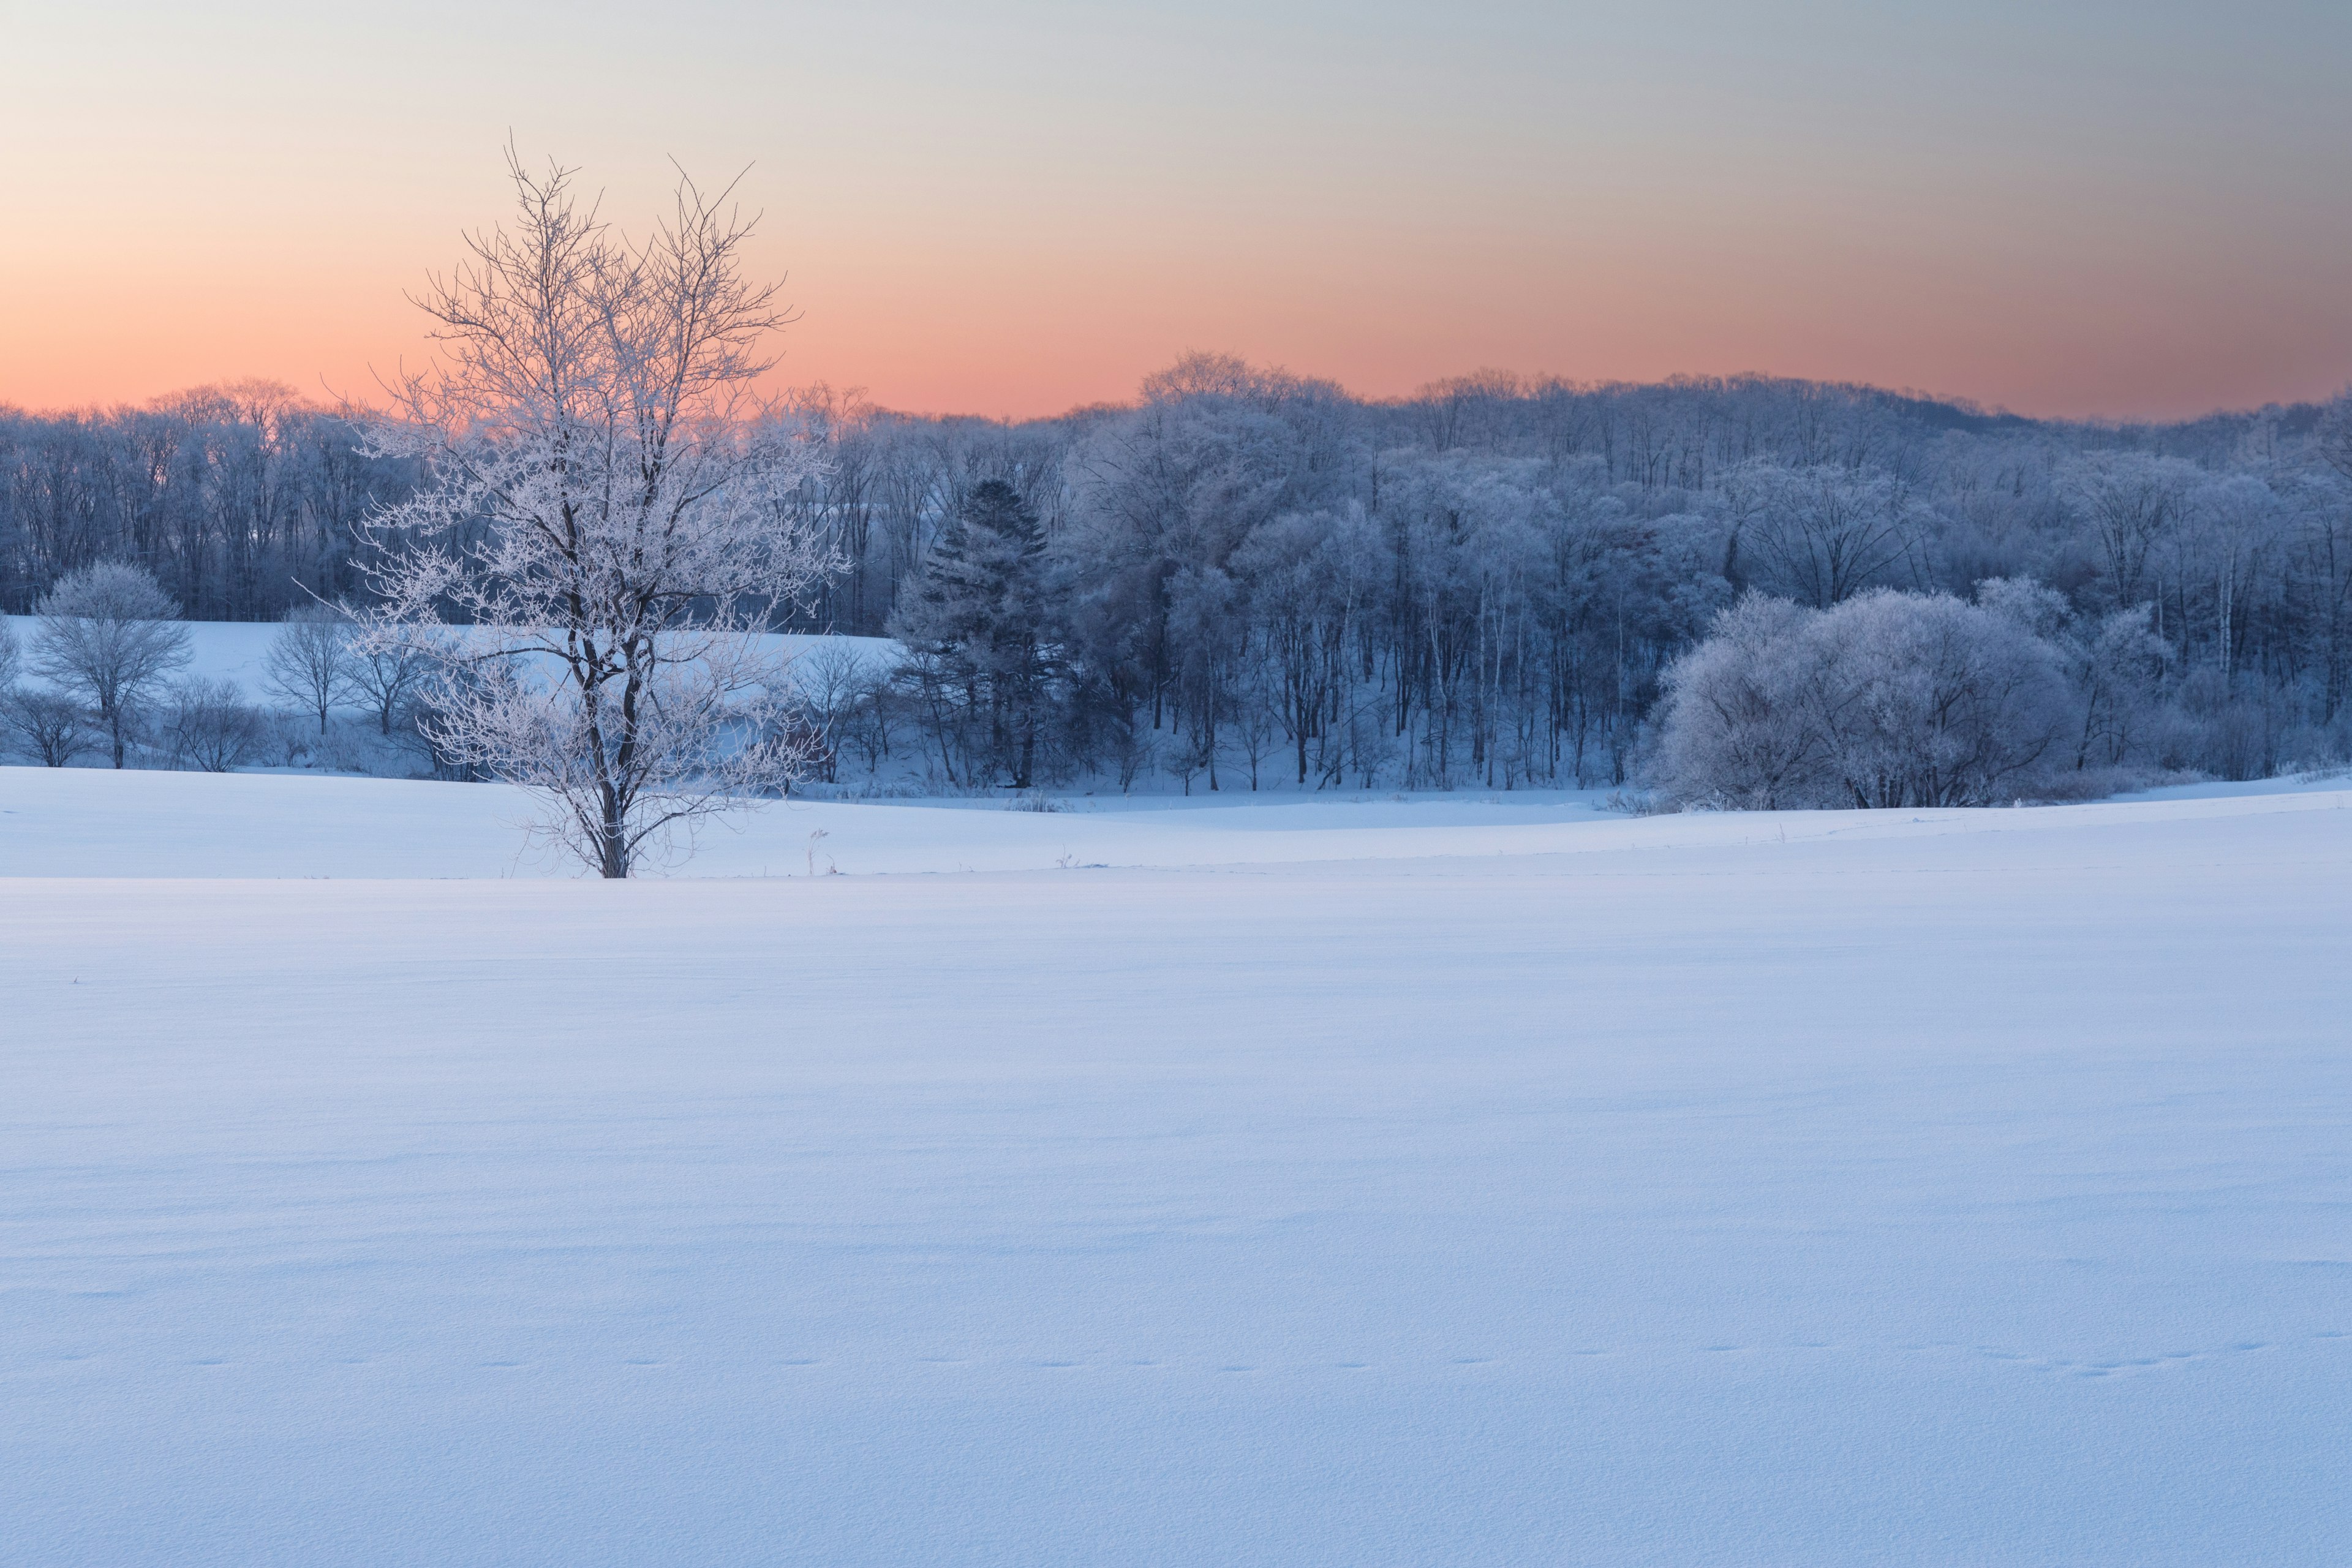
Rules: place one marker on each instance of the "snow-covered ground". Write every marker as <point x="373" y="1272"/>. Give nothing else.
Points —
<point x="1327" y="1183"/>
<point x="101" y="823"/>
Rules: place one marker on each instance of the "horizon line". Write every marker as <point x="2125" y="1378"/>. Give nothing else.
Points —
<point x="1522" y="387"/>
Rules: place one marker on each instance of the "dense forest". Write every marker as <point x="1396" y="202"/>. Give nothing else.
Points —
<point x="1247" y="578"/>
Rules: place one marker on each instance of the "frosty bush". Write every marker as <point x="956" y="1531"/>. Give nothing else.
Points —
<point x="211" y="729"/>
<point x="49" y="726"/>
<point x="286" y="740"/>
<point x="1886" y="700"/>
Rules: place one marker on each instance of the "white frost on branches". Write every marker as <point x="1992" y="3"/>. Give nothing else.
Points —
<point x="601" y="542"/>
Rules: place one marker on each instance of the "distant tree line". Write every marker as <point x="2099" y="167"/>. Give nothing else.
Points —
<point x="240" y="500"/>
<point x="1248" y="577"/>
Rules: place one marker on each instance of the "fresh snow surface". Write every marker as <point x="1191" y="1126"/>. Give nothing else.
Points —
<point x="2337" y="778"/>
<point x="103" y="823"/>
<point x="1329" y="1184"/>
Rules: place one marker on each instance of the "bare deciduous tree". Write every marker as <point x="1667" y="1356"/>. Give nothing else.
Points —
<point x="388" y="673"/>
<point x="211" y="728"/>
<point x="107" y="635"/>
<point x="1257" y="726"/>
<point x="309" y="662"/>
<point x="51" y="726"/>
<point x="601" y="534"/>
<point x="2129" y="503"/>
<point x="833" y="681"/>
<point x="1822" y="535"/>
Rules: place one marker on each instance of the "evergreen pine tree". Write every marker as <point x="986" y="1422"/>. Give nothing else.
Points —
<point x="977" y="610"/>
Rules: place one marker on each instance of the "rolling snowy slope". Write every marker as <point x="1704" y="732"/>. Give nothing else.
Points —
<point x="1402" y="1188"/>
<point x="233" y="650"/>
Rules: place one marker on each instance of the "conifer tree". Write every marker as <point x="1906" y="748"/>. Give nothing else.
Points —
<point x="977" y="610"/>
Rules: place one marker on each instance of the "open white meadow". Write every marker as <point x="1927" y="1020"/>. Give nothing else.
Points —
<point x="1323" y="1183"/>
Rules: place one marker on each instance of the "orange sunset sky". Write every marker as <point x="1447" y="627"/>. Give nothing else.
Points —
<point x="2072" y="209"/>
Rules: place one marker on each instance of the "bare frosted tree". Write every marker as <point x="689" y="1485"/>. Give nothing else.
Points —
<point x="602" y="528"/>
<point x="1256" y="726"/>
<point x="50" y="725"/>
<point x="107" y="636"/>
<point x="1821" y="535"/>
<point x="387" y="674"/>
<point x="211" y="728"/>
<point x="309" y="662"/>
<point x="2129" y="503"/>
<point x="12" y="660"/>
<point x="833" y="681"/>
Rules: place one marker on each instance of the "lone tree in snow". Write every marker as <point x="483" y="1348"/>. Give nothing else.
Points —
<point x="601" y="538"/>
<point x="387" y="674"/>
<point x="107" y="636"/>
<point x="309" y="662"/>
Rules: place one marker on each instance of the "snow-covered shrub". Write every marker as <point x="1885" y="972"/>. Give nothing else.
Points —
<point x="286" y="738"/>
<point x="861" y="789"/>
<point x="1936" y="703"/>
<point x="1635" y="803"/>
<point x="1735" y="730"/>
<point x="1035" y="800"/>
<point x="1885" y="700"/>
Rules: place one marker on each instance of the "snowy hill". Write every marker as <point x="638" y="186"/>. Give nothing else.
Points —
<point x="233" y="650"/>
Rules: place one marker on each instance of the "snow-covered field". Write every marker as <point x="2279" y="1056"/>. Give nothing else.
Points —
<point x="1324" y="1183"/>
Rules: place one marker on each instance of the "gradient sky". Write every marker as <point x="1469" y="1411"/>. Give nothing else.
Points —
<point x="1012" y="208"/>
